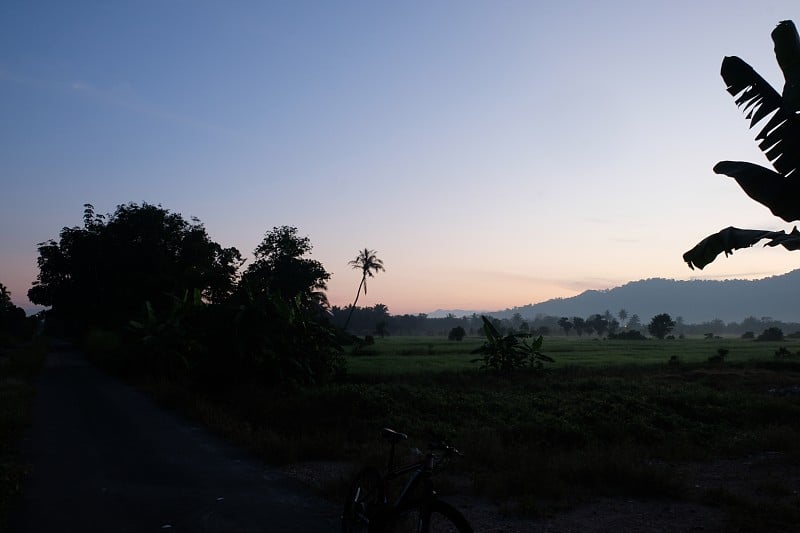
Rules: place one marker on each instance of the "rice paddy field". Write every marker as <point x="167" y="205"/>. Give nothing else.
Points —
<point x="409" y="355"/>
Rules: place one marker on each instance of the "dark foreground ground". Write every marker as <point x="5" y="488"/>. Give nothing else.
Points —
<point x="104" y="458"/>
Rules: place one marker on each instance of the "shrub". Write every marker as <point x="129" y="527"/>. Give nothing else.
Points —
<point x="771" y="334"/>
<point x="509" y="353"/>
<point x="748" y="335"/>
<point x="456" y="334"/>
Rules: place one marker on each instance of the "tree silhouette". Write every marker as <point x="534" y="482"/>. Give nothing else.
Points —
<point x="368" y="262"/>
<point x="456" y="334"/>
<point x="660" y="325"/>
<point x="579" y="324"/>
<point x="103" y="273"/>
<point x="779" y="140"/>
<point x="598" y="323"/>
<point x="281" y="270"/>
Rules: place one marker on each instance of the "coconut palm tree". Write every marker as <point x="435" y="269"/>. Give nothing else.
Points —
<point x="366" y="260"/>
<point x="779" y="139"/>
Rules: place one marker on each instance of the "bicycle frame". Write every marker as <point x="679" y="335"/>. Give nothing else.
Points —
<point x="416" y="502"/>
<point x="422" y="473"/>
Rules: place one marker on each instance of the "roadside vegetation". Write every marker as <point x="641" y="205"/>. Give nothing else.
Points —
<point x="20" y="360"/>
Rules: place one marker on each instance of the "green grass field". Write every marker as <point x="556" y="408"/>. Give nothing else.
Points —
<point x="608" y="418"/>
<point x="414" y="355"/>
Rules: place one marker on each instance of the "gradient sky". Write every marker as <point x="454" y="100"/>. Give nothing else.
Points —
<point x="493" y="153"/>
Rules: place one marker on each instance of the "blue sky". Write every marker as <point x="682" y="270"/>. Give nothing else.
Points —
<point x="493" y="153"/>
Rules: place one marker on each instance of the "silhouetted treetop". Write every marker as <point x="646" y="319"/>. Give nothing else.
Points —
<point x="280" y="268"/>
<point x="103" y="272"/>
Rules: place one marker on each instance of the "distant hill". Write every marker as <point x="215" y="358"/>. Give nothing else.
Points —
<point x="696" y="300"/>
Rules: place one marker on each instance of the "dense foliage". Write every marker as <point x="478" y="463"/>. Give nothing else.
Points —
<point x="173" y="302"/>
<point x="282" y="270"/>
<point x="102" y="273"/>
<point x="661" y="325"/>
<point x="771" y="334"/>
<point x="456" y="334"/>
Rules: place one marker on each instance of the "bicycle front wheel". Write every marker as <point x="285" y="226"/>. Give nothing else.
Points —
<point x="435" y="517"/>
<point x="364" y="501"/>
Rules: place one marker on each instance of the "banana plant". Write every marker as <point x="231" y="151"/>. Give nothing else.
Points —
<point x="778" y="138"/>
<point x="505" y="354"/>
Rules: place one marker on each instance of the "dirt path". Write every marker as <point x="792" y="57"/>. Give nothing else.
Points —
<point x="105" y="458"/>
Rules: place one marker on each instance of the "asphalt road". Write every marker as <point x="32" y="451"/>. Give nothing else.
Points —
<point x="105" y="458"/>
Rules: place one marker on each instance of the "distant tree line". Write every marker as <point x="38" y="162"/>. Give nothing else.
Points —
<point x="749" y="324"/>
<point x="378" y="321"/>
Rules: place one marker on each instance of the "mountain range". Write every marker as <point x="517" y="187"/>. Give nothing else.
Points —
<point x="696" y="301"/>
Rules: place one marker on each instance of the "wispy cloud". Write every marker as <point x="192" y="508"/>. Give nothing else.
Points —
<point x="121" y="96"/>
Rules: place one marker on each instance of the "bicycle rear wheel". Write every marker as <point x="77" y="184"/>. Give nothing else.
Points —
<point x="436" y="517"/>
<point x="364" y="501"/>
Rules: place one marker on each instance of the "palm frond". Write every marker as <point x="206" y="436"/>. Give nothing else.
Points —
<point x="731" y="238"/>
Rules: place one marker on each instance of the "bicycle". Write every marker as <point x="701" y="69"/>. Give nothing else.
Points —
<point x="416" y="508"/>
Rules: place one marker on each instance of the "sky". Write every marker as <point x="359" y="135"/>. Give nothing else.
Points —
<point x="494" y="154"/>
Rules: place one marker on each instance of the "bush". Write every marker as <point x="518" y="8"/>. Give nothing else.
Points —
<point x="771" y="334"/>
<point x="748" y="335"/>
<point x="456" y="334"/>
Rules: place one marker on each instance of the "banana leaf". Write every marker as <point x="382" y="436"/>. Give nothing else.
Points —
<point x="780" y="136"/>
<point x="730" y="239"/>
<point x="781" y="195"/>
